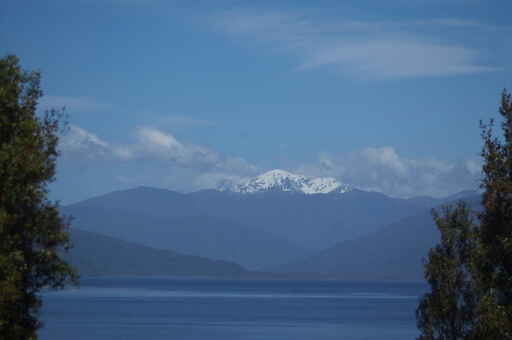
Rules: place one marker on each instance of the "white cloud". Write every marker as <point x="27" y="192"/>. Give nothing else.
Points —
<point x="158" y="142"/>
<point x="385" y="157"/>
<point x="158" y="158"/>
<point x="474" y="166"/>
<point x="84" y="143"/>
<point x="369" y="49"/>
<point x="213" y="180"/>
<point x="154" y="150"/>
<point x="382" y="169"/>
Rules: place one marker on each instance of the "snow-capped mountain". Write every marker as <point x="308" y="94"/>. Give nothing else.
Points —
<point x="281" y="180"/>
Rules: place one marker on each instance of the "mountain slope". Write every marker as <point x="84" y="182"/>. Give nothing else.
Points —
<point x="146" y="200"/>
<point x="257" y="230"/>
<point x="95" y="254"/>
<point x="391" y="253"/>
<point x="314" y="221"/>
<point x="207" y="236"/>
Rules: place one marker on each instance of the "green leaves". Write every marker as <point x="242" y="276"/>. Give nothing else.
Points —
<point x="470" y="271"/>
<point x="447" y="312"/>
<point x="494" y="264"/>
<point x="31" y="229"/>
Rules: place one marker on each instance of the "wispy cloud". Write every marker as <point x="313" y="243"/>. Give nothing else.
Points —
<point x="361" y="48"/>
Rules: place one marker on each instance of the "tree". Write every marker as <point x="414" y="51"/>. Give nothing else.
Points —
<point x="32" y="232"/>
<point x="494" y="260"/>
<point x="447" y="312"/>
<point x="470" y="271"/>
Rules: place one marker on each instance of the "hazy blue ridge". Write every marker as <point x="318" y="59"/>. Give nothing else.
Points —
<point x="207" y="236"/>
<point x="94" y="254"/>
<point x="394" y="252"/>
<point x="147" y="231"/>
<point x="257" y="231"/>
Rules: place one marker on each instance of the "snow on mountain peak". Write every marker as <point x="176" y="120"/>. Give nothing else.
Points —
<point x="281" y="180"/>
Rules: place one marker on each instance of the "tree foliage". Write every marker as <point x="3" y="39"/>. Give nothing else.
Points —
<point x="494" y="260"/>
<point x="31" y="229"/>
<point x="470" y="271"/>
<point x="447" y="312"/>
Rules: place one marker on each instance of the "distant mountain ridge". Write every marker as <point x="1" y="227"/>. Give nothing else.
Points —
<point x="257" y="230"/>
<point x="394" y="252"/>
<point x="281" y="180"/>
<point x="207" y="236"/>
<point x="354" y="235"/>
<point x="96" y="254"/>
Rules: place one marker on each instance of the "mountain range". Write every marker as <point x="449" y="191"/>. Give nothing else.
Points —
<point x="277" y="221"/>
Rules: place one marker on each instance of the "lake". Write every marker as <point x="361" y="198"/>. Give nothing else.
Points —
<point x="154" y="308"/>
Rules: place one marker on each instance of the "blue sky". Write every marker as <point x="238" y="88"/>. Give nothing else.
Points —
<point x="383" y="95"/>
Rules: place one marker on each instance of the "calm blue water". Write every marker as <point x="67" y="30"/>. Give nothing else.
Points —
<point x="183" y="309"/>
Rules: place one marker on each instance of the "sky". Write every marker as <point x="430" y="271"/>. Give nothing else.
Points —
<point x="383" y="95"/>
